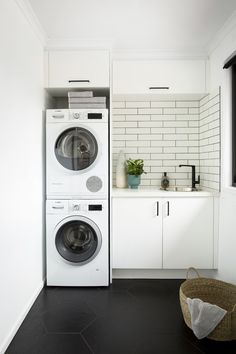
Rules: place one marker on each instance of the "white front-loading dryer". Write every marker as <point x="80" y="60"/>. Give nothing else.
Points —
<point x="77" y="243"/>
<point x="77" y="150"/>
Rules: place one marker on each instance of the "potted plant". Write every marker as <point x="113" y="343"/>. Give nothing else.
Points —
<point x="134" y="169"/>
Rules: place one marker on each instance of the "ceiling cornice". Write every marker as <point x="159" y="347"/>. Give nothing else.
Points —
<point x="222" y="33"/>
<point x="32" y="19"/>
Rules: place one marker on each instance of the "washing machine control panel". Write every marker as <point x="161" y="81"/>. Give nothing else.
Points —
<point x="82" y="206"/>
<point x="76" y="207"/>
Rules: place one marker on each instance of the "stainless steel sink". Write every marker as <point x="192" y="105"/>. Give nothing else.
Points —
<point x="180" y="189"/>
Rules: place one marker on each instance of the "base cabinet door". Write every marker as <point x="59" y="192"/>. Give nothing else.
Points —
<point x="188" y="233"/>
<point x="137" y="233"/>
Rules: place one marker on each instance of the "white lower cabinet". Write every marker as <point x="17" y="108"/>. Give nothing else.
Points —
<point x="137" y="233"/>
<point x="188" y="233"/>
<point x="156" y="233"/>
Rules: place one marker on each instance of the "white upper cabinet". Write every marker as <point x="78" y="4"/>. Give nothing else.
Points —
<point x="78" y="68"/>
<point x="179" y="76"/>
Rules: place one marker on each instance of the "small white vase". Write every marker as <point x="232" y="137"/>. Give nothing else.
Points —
<point x="121" y="178"/>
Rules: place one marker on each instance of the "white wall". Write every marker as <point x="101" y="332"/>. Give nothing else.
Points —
<point x="21" y="201"/>
<point x="227" y="242"/>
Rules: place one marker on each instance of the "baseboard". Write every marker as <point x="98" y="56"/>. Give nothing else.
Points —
<point x="158" y="273"/>
<point x="21" y="318"/>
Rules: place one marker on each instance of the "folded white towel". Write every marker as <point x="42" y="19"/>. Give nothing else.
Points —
<point x="204" y="317"/>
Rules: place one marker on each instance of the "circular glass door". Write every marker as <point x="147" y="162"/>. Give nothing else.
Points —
<point x="78" y="240"/>
<point x="76" y="149"/>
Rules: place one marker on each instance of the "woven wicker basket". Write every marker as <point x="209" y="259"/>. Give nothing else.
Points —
<point x="215" y="292"/>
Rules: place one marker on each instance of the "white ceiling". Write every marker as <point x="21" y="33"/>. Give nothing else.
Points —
<point x="135" y="25"/>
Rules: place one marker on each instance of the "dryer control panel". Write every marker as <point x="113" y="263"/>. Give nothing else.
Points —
<point x="81" y="115"/>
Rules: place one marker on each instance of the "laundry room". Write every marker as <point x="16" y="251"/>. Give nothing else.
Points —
<point x="118" y="177"/>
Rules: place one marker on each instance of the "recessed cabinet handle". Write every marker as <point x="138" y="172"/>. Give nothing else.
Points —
<point x="168" y="208"/>
<point x="159" y="88"/>
<point x="78" y="81"/>
<point x="157" y="208"/>
<point x="58" y="207"/>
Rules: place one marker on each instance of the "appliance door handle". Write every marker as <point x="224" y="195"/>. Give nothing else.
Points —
<point x="59" y="207"/>
<point x="78" y="81"/>
<point x="168" y="208"/>
<point x="157" y="208"/>
<point x="159" y="88"/>
<point x="58" y="116"/>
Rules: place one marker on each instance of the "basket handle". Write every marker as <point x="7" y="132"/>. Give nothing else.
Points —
<point x="233" y="308"/>
<point x="192" y="269"/>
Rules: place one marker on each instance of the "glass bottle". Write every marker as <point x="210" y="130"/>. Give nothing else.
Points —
<point x="165" y="181"/>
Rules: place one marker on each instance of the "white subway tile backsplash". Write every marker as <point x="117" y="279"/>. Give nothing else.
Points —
<point x="193" y="111"/>
<point x="118" y="143"/>
<point x="186" y="117"/>
<point x="118" y="130"/>
<point x="163" y="143"/>
<point x="175" y="124"/>
<point x="187" y="130"/>
<point x="175" y="110"/>
<point x="118" y="118"/>
<point x="124" y="124"/>
<point x="187" y="156"/>
<point x="193" y="136"/>
<point x="187" y="104"/>
<point x="117" y="104"/>
<point x="209" y="141"/>
<point x="138" y="104"/>
<point x="162" y="118"/>
<point x="150" y="111"/>
<point x="161" y="156"/>
<point x="175" y="149"/>
<point x="138" y="143"/>
<point x="174" y="162"/>
<point x="124" y="111"/>
<point x="187" y="143"/>
<point x="175" y="137"/>
<point x="163" y="130"/>
<point x="137" y="130"/>
<point x="137" y="118"/>
<point x="149" y="149"/>
<point x="167" y="133"/>
<point x="125" y="137"/>
<point x="193" y="123"/>
<point x="163" y="104"/>
<point x="150" y="137"/>
<point x="150" y="124"/>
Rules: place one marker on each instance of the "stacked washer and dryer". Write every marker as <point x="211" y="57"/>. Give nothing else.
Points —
<point x="77" y="207"/>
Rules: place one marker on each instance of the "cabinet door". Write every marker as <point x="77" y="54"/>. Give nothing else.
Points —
<point x="137" y="233"/>
<point x="90" y="66"/>
<point x="188" y="233"/>
<point x="181" y="76"/>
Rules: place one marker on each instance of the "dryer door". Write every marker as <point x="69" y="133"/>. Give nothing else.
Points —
<point x="76" y="149"/>
<point x="78" y="240"/>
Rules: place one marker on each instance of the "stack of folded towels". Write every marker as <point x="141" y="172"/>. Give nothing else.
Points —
<point x="85" y="99"/>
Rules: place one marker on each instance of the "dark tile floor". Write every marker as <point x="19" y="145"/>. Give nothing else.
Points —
<point x="129" y="317"/>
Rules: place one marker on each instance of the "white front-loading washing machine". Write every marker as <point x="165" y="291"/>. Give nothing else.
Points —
<point x="77" y="243"/>
<point x="77" y="150"/>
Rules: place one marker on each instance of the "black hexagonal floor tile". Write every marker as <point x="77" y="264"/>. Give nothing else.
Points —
<point x="27" y="339"/>
<point x="63" y="344"/>
<point x="130" y="317"/>
<point x="68" y="317"/>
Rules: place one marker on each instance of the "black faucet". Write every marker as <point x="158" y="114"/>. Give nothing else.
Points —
<point x="194" y="182"/>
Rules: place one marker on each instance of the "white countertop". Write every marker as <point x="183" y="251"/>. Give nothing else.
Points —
<point x="153" y="191"/>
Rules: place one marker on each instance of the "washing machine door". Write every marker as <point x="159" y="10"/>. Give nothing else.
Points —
<point x="76" y="149"/>
<point x="78" y="240"/>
